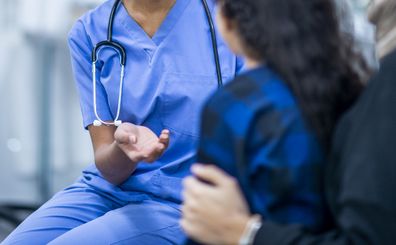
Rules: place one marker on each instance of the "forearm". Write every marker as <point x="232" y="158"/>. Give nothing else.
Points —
<point x="114" y="164"/>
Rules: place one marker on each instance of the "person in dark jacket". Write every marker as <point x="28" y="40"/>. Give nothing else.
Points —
<point x="359" y="185"/>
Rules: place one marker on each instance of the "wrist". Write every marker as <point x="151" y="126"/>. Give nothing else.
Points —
<point x="117" y="152"/>
<point x="237" y="229"/>
<point x="250" y="230"/>
<point x="114" y="164"/>
<point x="116" y="149"/>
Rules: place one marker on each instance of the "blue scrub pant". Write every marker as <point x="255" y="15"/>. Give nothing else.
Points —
<point x="82" y="214"/>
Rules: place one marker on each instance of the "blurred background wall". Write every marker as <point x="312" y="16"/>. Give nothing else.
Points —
<point x="42" y="144"/>
<point x="43" y="147"/>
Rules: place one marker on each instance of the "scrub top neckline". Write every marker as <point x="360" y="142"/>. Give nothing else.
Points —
<point x="138" y="33"/>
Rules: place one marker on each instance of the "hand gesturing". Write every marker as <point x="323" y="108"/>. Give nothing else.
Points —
<point x="139" y="143"/>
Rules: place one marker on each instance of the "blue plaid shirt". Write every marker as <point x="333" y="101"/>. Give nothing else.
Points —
<point x="253" y="128"/>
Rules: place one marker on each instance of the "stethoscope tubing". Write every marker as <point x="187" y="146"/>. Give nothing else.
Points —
<point x="117" y="47"/>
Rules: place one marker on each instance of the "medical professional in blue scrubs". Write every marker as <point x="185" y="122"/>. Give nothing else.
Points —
<point x="131" y="195"/>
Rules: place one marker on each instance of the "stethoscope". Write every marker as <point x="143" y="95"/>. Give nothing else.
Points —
<point x="117" y="47"/>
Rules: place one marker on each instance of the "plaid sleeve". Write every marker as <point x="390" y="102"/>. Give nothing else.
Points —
<point x="225" y="121"/>
<point x="217" y="138"/>
<point x="285" y="168"/>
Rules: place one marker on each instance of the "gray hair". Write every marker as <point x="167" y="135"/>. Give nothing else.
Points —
<point x="383" y="15"/>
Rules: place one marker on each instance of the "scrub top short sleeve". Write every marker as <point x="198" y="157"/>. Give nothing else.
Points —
<point x="80" y="50"/>
<point x="240" y="65"/>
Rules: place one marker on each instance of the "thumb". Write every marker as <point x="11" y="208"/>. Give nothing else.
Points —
<point x="122" y="137"/>
<point x="132" y="139"/>
<point x="211" y="174"/>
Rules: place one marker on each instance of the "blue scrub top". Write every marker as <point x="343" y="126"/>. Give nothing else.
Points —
<point x="168" y="78"/>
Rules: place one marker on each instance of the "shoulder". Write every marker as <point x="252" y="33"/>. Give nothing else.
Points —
<point x="255" y="89"/>
<point x="92" y="22"/>
<point x="253" y="94"/>
<point x="96" y="16"/>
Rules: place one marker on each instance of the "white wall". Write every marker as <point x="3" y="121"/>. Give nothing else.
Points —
<point x="33" y="35"/>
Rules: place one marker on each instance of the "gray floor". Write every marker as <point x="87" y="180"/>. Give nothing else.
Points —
<point x="7" y="227"/>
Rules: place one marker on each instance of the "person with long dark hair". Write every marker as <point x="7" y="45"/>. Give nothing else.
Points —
<point x="271" y="128"/>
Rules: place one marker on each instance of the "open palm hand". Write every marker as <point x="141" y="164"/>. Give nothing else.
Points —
<point x="139" y="143"/>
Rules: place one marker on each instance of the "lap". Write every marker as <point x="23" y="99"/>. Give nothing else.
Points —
<point x="81" y="215"/>
<point x="65" y="211"/>
<point x="147" y="222"/>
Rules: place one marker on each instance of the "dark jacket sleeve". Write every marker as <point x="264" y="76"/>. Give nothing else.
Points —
<point x="361" y="178"/>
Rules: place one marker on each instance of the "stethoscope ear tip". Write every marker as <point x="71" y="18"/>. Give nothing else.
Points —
<point x="97" y="123"/>
<point x="117" y="123"/>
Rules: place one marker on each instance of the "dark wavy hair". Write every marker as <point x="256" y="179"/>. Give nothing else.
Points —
<point x="302" y="42"/>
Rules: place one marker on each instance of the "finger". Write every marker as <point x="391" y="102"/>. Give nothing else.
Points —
<point x="212" y="174"/>
<point x="159" y="149"/>
<point x="132" y="139"/>
<point x="121" y="137"/>
<point x="129" y="127"/>
<point x="187" y="213"/>
<point x="164" y="138"/>
<point x="187" y="182"/>
<point x="192" y="204"/>
<point x="191" y="229"/>
<point x="187" y="217"/>
<point x="186" y="226"/>
<point x="189" y="198"/>
<point x="135" y="157"/>
<point x="193" y="186"/>
<point x="191" y="217"/>
<point x="154" y="153"/>
<point x="165" y="131"/>
<point x="198" y="200"/>
<point x="185" y="188"/>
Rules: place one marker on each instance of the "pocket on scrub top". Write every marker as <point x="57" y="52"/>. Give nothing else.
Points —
<point x="183" y="98"/>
